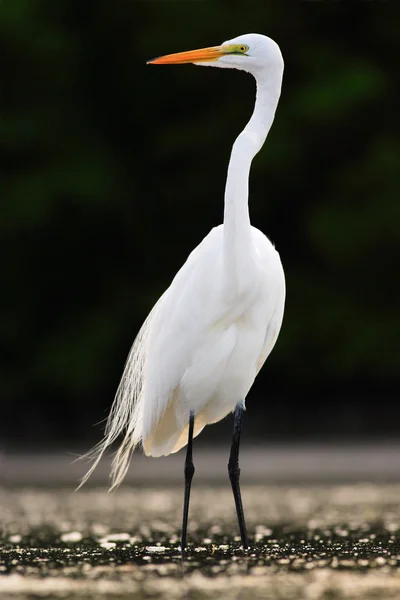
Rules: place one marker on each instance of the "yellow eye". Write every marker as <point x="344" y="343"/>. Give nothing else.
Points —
<point x="235" y="49"/>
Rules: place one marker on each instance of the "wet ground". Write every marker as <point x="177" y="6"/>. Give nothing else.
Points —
<point x="328" y="527"/>
<point x="330" y="541"/>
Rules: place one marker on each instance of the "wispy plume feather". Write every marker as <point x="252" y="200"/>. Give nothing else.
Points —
<point x="126" y="415"/>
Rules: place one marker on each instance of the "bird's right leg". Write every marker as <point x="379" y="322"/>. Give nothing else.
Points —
<point x="234" y="473"/>
<point x="189" y="472"/>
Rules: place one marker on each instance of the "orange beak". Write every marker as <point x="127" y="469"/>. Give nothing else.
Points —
<point x="192" y="56"/>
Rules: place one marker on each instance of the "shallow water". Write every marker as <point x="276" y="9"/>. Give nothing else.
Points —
<point x="314" y="541"/>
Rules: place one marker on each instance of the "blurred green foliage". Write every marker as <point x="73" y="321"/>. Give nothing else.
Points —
<point x="114" y="171"/>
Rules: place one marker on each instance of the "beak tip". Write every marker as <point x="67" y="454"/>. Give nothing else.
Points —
<point x="154" y="61"/>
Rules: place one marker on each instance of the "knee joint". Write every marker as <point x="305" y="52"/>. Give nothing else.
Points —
<point x="234" y="471"/>
<point x="189" y="470"/>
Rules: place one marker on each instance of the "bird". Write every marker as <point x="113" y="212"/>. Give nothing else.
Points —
<point x="201" y="347"/>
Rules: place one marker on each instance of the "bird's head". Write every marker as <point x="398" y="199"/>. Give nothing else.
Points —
<point x="251" y="52"/>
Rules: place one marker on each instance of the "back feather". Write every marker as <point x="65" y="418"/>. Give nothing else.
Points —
<point x="126" y="413"/>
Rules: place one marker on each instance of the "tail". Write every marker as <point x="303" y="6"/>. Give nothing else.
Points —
<point x="126" y="411"/>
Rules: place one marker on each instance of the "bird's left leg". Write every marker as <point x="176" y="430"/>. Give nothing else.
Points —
<point x="234" y="473"/>
<point x="189" y="472"/>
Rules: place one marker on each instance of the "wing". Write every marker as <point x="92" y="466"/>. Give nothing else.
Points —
<point x="187" y="312"/>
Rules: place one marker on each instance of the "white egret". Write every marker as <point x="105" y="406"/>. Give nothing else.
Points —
<point x="199" y="350"/>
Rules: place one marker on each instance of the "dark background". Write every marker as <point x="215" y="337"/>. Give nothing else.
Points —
<point x="113" y="171"/>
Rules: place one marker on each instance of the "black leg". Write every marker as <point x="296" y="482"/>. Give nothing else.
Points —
<point x="234" y="473"/>
<point x="189" y="472"/>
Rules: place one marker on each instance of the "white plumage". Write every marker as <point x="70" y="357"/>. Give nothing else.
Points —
<point x="207" y="337"/>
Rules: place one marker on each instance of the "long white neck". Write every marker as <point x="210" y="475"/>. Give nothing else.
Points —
<point x="237" y="246"/>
